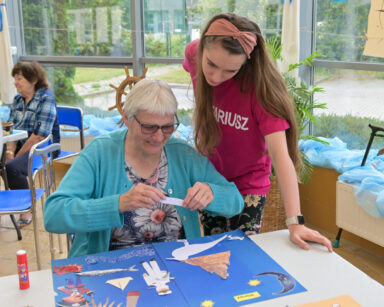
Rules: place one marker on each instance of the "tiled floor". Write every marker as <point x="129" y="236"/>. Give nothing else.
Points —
<point x="369" y="263"/>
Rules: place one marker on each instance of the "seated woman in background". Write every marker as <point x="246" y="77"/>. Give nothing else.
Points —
<point x="34" y="110"/>
<point x="111" y="195"/>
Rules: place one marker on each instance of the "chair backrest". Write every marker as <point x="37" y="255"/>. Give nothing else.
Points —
<point x="40" y="158"/>
<point x="72" y="116"/>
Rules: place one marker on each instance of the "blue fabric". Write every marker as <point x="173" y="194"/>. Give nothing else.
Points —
<point x="87" y="200"/>
<point x="1" y="17"/>
<point x="368" y="180"/>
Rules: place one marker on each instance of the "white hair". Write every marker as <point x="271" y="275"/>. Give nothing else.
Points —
<point x="154" y="96"/>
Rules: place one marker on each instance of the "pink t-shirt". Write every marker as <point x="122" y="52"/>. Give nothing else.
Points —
<point x="241" y="156"/>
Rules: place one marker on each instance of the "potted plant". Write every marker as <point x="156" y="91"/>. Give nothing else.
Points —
<point x="302" y="96"/>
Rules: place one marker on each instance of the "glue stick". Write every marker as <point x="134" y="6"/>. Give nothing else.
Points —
<point x="22" y="269"/>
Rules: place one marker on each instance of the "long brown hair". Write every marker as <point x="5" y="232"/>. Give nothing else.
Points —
<point x="258" y="71"/>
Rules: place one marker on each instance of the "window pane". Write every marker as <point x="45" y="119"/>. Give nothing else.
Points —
<point x="340" y="30"/>
<point x="354" y="100"/>
<point x="91" y="90"/>
<point x="82" y="28"/>
<point x="170" y="24"/>
<point x="86" y="87"/>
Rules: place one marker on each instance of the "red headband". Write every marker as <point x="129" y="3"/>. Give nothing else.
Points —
<point x="222" y="26"/>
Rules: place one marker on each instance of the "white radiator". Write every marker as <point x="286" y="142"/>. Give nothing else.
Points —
<point x="351" y="217"/>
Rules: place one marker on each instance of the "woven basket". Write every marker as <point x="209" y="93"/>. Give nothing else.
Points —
<point x="274" y="213"/>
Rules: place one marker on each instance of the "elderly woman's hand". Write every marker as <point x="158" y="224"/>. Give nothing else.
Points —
<point x="198" y="197"/>
<point x="140" y="196"/>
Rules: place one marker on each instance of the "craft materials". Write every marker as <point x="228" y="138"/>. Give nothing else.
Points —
<point x="172" y="201"/>
<point x="287" y="282"/>
<point x="141" y="251"/>
<point x="22" y="269"/>
<point x="156" y="277"/>
<point x="103" y="272"/>
<point x="214" y="263"/>
<point x="132" y="298"/>
<point x="119" y="283"/>
<point x="187" y="250"/>
<point x="66" y="269"/>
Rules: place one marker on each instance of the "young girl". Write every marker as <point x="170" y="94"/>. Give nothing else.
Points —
<point x="244" y="119"/>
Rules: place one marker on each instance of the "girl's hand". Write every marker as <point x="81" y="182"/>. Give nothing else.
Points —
<point x="198" y="197"/>
<point x="299" y="234"/>
<point x="140" y="196"/>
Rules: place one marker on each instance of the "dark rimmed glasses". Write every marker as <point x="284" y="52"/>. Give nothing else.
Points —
<point x="151" y="128"/>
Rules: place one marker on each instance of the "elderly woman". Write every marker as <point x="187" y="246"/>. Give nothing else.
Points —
<point x="33" y="110"/>
<point x="114" y="195"/>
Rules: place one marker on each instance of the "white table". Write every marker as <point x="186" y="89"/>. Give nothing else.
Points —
<point x="15" y="136"/>
<point x="324" y="275"/>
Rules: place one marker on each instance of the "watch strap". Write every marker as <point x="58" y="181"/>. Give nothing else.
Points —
<point x="295" y="220"/>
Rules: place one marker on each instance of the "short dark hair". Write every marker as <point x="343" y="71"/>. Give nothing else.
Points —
<point x="32" y="71"/>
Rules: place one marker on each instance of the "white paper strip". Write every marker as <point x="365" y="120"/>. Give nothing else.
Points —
<point x="172" y="201"/>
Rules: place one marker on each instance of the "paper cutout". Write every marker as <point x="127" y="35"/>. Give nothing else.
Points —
<point x="75" y="290"/>
<point x="214" y="263"/>
<point x="254" y="282"/>
<point x="66" y="269"/>
<point x="75" y="299"/>
<point x="374" y="45"/>
<point x="120" y="283"/>
<point x="235" y="237"/>
<point x="103" y="272"/>
<point x="183" y="253"/>
<point x="156" y="277"/>
<point x="132" y="298"/>
<point x="172" y="201"/>
<point x="343" y="300"/>
<point x="247" y="296"/>
<point x="287" y="282"/>
<point x="140" y="251"/>
<point x="207" y="303"/>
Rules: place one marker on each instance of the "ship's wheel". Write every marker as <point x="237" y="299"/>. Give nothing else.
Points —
<point x="120" y="90"/>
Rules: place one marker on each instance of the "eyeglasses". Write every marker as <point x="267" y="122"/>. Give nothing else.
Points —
<point x="151" y="129"/>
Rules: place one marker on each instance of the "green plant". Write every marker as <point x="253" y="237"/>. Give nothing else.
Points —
<point x="302" y="96"/>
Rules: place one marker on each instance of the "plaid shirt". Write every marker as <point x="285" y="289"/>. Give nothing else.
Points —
<point x="38" y="117"/>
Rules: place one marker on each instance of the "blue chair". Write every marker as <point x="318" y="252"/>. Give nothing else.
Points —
<point x="22" y="201"/>
<point x="73" y="117"/>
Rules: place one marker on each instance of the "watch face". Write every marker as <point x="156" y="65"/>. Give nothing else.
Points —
<point x="300" y="219"/>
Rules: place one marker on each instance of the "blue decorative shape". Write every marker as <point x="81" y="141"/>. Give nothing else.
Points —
<point x="1" y="17"/>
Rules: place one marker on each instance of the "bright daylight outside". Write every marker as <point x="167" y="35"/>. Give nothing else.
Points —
<point x="104" y="28"/>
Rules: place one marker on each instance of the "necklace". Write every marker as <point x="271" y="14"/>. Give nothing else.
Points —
<point x="153" y="178"/>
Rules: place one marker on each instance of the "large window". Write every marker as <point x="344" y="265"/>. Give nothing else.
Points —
<point x="84" y="45"/>
<point x="77" y="28"/>
<point x="353" y="91"/>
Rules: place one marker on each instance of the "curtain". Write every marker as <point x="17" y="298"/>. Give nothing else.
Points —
<point x="374" y="45"/>
<point x="290" y="34"/>
<point x="7" y="89"/>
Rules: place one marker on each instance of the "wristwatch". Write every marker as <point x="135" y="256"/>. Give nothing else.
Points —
<point x="295" y="220"/>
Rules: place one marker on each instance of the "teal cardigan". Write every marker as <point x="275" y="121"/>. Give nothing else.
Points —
<point x="87" y="200"/>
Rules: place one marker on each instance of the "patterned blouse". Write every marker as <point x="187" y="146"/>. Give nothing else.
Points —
<point x="142" y="226"/>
